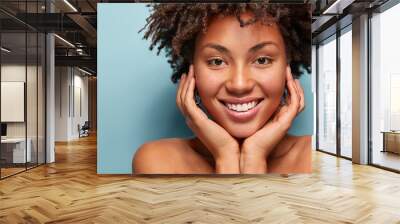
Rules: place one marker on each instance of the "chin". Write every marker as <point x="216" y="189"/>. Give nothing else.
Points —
<point x="241" y="131"/>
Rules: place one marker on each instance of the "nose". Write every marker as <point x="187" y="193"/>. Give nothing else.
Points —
<point x="240" y="82"/>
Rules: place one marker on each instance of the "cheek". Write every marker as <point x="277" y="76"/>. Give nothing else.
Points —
<point x="207" y="82"/>
<point x="272" y="83"/>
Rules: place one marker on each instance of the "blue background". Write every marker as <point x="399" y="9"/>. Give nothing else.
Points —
<point x="136" y="99"/>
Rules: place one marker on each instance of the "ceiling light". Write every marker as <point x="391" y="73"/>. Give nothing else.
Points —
<point x="337" y="7"/>
<point x="70" y="5"/>
<point x="5" y="50"/>
<point x="84" y="71"/>
<point x="65" y="41"/>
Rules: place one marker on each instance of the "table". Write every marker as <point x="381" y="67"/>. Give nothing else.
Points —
<point x="391" y="141"/>
<point x="17" y="150"/>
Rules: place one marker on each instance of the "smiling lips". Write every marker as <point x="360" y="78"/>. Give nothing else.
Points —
<point x="241" y="107"/>
<point x="242" y="110"/>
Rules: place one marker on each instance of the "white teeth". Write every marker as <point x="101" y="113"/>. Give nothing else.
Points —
<point x="241" y="107"/>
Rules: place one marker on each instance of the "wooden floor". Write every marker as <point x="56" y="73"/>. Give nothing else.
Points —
<point x="388" y="159"/>
<point x="70" y="191"/>
<point x="5" y="172"/>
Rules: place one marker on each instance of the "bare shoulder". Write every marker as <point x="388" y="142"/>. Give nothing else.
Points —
<point x="157" y="156"/>
<point x="166" y="156"/>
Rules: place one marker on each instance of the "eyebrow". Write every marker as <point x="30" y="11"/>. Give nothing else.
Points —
<point x="253" y="49"/>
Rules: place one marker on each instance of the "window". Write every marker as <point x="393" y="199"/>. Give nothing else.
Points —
<point x="385" y="89"/>
<point x="327" y="95"/>
<point x="22" y="77"/>
<point x="346" y="92"/>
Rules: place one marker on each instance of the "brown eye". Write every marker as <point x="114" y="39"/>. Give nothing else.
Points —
<point x="215" y="62"/>
<point x="263" y="61"/>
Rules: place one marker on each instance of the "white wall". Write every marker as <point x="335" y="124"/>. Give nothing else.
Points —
<point x="33" y="127"/>
<point x="13" y="101"/>
<point x="62" y="81"/>
<point x="70" y="84"/>
<point x="15" y="72"/>
<point x="79" y="117"/>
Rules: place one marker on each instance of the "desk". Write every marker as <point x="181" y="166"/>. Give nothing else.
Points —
<point x="17" y="150"/>
<point x="391" y="141"/>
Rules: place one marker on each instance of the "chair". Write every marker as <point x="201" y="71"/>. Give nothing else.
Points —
<point x="84" y="130"/>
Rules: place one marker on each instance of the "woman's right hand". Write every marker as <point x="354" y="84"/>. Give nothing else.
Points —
<point x="224" y="148"/>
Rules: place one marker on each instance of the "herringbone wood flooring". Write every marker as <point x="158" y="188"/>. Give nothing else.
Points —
<point x="70" y="191"/>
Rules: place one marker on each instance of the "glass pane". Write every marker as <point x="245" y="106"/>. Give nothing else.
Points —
<point x="41" y="98"/>
<point x="313" y="80"/>
<point x="327" y="96"/>
<point x="31" y="85"/>
<point x="385" y="86"/>
<point x="23" y="84"/>
<point x="13" y="86"/>
<point x="346" y="94"/>
<point x="31" y="101"/>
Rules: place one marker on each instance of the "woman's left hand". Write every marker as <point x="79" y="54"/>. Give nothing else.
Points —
<point x="256" y="148"/>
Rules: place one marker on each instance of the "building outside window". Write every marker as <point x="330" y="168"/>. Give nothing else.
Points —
<point x="327" y="95"/>
<point x="385" y="89"/>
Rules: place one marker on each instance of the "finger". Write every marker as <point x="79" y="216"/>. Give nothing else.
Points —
<point x="294" y="80"/>
<point x="297" y="90"/>
<point x="288" y="79"/>
<point x="190" y="105"/>
<point x="189" y="79"/>
<point x="184" y="91"/>
<point x="178" y="93"/>
<point x="190" y="91"/>
<point x="294" y="99"/>
<point x="301" y="95"/>
<point x="296" y="87"/>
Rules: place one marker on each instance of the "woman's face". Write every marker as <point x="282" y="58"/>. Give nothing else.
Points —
<point x="240" y="73"/>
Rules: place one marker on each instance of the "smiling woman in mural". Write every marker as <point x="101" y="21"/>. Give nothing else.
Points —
<point x="237" y="66"/>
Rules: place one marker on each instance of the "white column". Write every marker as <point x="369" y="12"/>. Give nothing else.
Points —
<point x="50" y="92"/>
<point x="360" y="90"/>
<point x="314" y="91"/>
<point x="50" y="100"/>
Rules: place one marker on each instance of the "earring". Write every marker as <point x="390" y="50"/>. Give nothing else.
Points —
<point x="197" y="99"/>
<point x="283" y="98"/>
